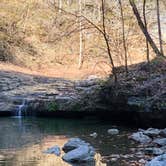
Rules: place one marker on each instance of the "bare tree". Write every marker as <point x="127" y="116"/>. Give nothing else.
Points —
<point x="60" y="6"/>
<point x="123" y="33"/>
<point x="80" y="61"/>
<point x="159" y="26"/>
<point x="145" y="22"/>
<point x="144" y="30"/>
<point x="107" y="41"/>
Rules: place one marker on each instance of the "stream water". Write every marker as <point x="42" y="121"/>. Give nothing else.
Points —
<point x="23" y="140"/>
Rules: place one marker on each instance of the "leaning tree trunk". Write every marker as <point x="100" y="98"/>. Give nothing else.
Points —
<point x="144" y="30"/>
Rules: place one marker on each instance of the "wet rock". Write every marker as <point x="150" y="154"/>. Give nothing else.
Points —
<point x="163" y="132"/>
<point x="152" y="132"/>
<point x="136" y="102"/>
<point x="153" y="151"/>
<point x="94" y="135"/>
<point x="158" y="161"/>
<point x="160" y="141"/>
<point x="163" y="148"/>
<point x="141" y="138"/>
<point x="113" y="131"/>
<point x="54" y="150"/>
<point x="74" y="143"/>
<point x="81" y="154"/>
<point x="142" y="161"/>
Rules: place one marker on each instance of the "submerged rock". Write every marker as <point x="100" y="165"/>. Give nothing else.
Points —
<point x="141" y="138"/>
<point x="54" y="150"/>
<point x="94" y="135"/>
<point x="113" y="131"/>
<point x="158" y="161"/>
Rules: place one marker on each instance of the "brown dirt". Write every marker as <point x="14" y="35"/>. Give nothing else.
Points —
<point x="66" y="72"/>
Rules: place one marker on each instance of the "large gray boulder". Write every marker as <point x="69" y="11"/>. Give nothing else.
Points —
<point x="158" y="161"/>
<point x="78" y="151"/>
<point x="81" y="154"/>
<point x="74" y="143"/>
<point x="141" y="138"/>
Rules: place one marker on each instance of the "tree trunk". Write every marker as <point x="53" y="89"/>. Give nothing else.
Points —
<point x="107" y="43"/>
<point x="145" y="22"/>
<point x="159" y="26"/>
<point x="60" y="6"/>
<point x="80" y="60"/>
<point x="144" y="30"/>
<point x="123" y="33"/>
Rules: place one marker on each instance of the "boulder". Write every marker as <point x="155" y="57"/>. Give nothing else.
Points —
<point x="113" y="131"/>
<point x="54" y="150"/>
<point x="160" y="141"/>
<point x="140" y="137"/>
<point x="81" y="154"/>
<point x="158" y="161"/>
<point x="152" y="132"/>
<point x="163" y="132"/>
<point x="153" y="151"/>
<point x="74" y="143"/>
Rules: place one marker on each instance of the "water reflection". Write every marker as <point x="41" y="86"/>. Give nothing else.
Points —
<point x="22" y="141"/>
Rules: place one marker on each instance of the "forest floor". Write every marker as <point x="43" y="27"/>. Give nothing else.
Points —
<point x="66" y="72"/>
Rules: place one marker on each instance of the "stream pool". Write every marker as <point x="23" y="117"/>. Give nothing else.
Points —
<point x="23" y="140"/>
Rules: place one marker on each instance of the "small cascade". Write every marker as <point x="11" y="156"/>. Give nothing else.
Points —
<point x="21" y="108"/>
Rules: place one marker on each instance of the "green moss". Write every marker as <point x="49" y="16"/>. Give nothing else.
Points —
<point x="52" y="106"/>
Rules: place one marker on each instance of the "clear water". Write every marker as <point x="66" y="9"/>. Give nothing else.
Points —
<point x="23" y="140"/>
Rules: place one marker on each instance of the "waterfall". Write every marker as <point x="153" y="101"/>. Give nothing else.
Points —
<point x="21" y="108"/>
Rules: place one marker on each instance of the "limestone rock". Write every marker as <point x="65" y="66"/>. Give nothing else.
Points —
<point x="153" y="151"/>
<point x="113" y="131"/>
<point x="160" y="141"/>
<point x="151" y="132"/>
<point x="140" y="137"/>
<point x="74" y="143"/>
<point x="54" y="150"/>
<point x="158" y="161"/>
<point x="81" y="154"/>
